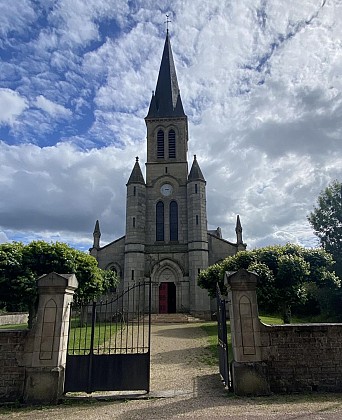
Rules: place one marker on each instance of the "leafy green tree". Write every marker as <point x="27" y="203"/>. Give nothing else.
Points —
<point x="287" y="275"/>
<point x="21" y="266"/>
<point x="326" y="220"/>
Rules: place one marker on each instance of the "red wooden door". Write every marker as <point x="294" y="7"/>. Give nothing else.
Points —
<point x="163" y="298"/>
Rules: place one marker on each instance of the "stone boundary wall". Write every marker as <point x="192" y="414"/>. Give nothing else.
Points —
<point x="12" y="375"/>
<point x="14" y="318"/>
<point x="286" y="358"/>
<point x="32" y="362"/>
<point x="303" y="357"/>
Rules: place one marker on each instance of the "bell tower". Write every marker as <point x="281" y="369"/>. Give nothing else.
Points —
<point x="166" y="166"/>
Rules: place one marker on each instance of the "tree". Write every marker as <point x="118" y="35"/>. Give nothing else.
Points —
<point x="21" y="265"/>
<point x="287" y="275"/>
<point x="326" y="220"/>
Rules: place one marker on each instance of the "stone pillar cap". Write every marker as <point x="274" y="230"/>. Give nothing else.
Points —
<point x="55" y="280"/>
<point x="240" y="280"/>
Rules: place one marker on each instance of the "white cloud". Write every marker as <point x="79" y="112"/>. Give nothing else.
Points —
<point x="260" y="83"/>
<point x="11" y="106"/>
<point x="3" y="237"/>
<point x="14" y="19"/>
<point x="52" y="108"/>
<point x="62" y="188"/>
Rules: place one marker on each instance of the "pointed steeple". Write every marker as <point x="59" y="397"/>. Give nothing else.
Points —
<point x="97" y="228"/>
<point x="238" y="230"/>
<point x="195" y="172"/>
<point x="136" y="176"/>
<point x="166" y="100"/>
<point x="96" y="235"/>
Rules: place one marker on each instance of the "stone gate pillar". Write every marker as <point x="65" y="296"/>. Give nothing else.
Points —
<point x="49" y="338"/>
<point x="248" y="370"/>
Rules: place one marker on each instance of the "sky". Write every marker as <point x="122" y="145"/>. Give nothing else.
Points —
<point x="260" y="81"/>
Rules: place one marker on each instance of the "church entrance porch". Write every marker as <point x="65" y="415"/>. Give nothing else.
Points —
<point x="167" y="298"/>
<point x="170" y="288"/>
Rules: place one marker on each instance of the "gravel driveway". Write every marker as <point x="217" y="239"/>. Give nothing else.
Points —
<point x="183" y="386"/>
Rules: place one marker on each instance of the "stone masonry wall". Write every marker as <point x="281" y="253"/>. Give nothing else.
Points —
<point x="303" y="357"/>
<point x="12" y="375"/>
<point x="13" y="318"/>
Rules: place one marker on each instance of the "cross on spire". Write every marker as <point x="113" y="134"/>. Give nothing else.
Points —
<point x="167" y="23"/>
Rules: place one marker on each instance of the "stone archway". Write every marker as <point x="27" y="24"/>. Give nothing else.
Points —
<point x="167" y="288"/>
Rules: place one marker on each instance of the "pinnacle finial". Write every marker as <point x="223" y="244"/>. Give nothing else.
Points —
<point x="195" y="157"/>
<point x="238" y="231"/>
<point x="96" y="235"/>
<point x="137" y="159"/>
<point x="167" y="24"/>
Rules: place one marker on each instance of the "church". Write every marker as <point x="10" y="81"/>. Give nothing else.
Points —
<point x="166" y="237"/>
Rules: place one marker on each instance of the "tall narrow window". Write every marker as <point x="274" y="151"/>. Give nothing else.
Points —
<point x="132" y="276"/>
<point x="134" y="190"/>
<point x="160" y="144"/>
<point x="196" y="219"/>
<point x="160" y="221"/>
<point x="173" y="221"/>
<point x="134" y="222"/>
<point x="172" y="144"/>
<point x="196" y="189"/>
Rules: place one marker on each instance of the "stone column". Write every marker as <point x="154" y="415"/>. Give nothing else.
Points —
<point x="248" y="370"/>
<point x="49" y="339"/>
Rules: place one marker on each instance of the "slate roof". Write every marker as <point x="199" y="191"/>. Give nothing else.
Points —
<point x="195" y="172"/>
<point x="136" y="176"/>
<point x="97" y="228"/>
<point x="166" y="100"/>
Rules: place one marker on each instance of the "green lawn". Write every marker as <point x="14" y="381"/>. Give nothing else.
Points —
<point x="104" y="336"/>
<point x="13" y="327"/>
<point x="271" y="319"/>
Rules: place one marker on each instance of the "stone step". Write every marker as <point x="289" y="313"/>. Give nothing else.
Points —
<point x="173" y="318"/>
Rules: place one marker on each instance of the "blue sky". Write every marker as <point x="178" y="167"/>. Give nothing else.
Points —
<point x="260" y="82"/>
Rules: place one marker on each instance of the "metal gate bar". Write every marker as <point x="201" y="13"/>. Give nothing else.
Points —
<point x="109" y="343"/>
<point x="223" y="340"/>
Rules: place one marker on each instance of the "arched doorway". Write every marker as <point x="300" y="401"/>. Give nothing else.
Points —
<point x="167" y="298"/>
<point x="169" y="290"/>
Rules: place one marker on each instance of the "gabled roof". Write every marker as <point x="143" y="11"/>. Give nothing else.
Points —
<point x="136" y="176"/>
<point x="195" y="172"/>
<point x="166" y="100"/>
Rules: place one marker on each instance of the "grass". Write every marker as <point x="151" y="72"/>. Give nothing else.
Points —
<point x="211" y="329"/>
<point x="80" y="336"/>
<point x="14" y="327"/>
<point x="271" y="319"/>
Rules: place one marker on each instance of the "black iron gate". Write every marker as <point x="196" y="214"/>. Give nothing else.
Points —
<point x="223" y="348"/>
<point x="109" y="343"/>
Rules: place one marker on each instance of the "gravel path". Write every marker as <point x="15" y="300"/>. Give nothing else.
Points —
<point x="191" y="389"/>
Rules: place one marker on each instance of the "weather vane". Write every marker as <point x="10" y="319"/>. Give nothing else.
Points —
<point x="167" y="23"/>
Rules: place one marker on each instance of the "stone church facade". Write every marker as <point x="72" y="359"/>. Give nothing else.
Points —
<point x="166" y="236"/>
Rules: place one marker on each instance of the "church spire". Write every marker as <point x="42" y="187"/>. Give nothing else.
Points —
<point x="136" y="176"/>
<point x="195" y="172"/>
<point x="96" y="235"/>
<point x="166" y="100"/>
<point x="238" y="231"/>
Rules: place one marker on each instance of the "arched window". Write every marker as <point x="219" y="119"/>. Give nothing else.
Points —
<point x="173" y="221"/>
<point x="172" y="144"/>
<point x="160" y="221"/>
<point x="160" y="144"/>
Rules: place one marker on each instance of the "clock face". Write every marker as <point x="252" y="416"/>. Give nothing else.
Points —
<point x="166" y="189"/>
